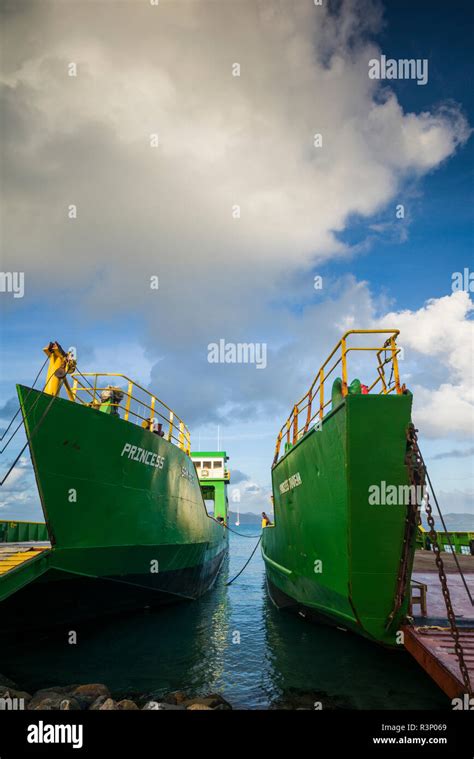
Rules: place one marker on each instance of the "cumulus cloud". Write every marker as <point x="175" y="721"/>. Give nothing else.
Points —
<point x="19" y="478"/>
<point x="250" y="496"/>
<point x="441" y="333"/>
<point x="223" y="141"/>
<point x="20" y="504"/>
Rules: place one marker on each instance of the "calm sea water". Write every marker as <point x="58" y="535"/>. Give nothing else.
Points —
<point x="281" y="659"/>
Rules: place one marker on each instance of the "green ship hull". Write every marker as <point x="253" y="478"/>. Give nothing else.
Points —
<point x="125" y="517"/>
<point x="331" y="554"/>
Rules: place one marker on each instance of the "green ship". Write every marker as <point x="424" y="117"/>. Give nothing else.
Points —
<point x="342" y="544"/>
<point x="127" y="525"/>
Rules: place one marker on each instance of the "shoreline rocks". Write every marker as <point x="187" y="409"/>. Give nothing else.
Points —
<point x="97" y="697"/>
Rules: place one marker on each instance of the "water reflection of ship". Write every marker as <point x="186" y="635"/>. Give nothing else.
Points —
<point x="315" y="667"/>
<point x="237" y="521"/>
<point x="180" y="647"/>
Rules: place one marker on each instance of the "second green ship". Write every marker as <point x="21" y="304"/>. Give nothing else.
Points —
<point x="346" y="504"/>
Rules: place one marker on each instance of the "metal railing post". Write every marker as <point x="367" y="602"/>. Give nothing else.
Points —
<point x="344" y="366"/>
<point x="277" y="447"/>
<point x="321" y="393"/>
<point x="395" y="365"/>
<point x="129" y="400"/>
<point x="381" y="371"/>
<point x="152" y="409"/>
<point x="308" y="413"/>
<point x="295" y="424"/>
<point x="170" y="431"/>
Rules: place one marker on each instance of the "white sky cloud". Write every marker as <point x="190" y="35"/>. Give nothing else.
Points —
<point x="224" y="140"/>
<point x="441" y="332"/>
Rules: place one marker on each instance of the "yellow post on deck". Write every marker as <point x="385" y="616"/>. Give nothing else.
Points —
<point x="60" y="365"/>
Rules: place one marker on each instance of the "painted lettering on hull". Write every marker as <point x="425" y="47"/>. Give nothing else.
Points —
<point x="290" y="483"/>
<point x="134" y="453"/>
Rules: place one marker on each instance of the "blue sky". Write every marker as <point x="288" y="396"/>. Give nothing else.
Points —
<point x="440" y="228"/>
<point x="245" y="140"/>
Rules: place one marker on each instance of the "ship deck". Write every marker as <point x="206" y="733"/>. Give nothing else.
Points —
<point x="429" y="639"/>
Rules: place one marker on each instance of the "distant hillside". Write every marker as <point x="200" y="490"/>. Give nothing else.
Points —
<point x="246" y="518"/>
<point x="454" y="522"/>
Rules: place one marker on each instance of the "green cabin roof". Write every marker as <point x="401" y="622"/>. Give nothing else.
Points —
<point x="210" y="454"/>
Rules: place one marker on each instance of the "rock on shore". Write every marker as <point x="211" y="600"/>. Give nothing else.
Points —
<point x="96" y="696"/>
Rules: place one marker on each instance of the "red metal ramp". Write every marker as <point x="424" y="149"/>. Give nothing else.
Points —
<point x="433" y="649"/>
<point x="428" y="638"/>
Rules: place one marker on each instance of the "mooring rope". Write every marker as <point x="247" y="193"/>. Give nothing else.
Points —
<point x="31" y="436"/>
<point x="241" y="534"/>
<point x="29" y="410"/>
<point x="18" y="411"/>
<point x="246" y="563"/>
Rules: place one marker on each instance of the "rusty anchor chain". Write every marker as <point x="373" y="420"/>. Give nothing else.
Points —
<point x="417" y="470"/>
<point x="411" y="522"/>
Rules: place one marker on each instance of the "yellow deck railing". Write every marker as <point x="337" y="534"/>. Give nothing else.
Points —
<point x="314" y="403"/>
<point x="136" y="404"/>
